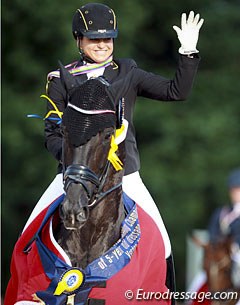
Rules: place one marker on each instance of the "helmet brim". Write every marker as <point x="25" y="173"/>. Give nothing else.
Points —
<point x="99" y="34"/>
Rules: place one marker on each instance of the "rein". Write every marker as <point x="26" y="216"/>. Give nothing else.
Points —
<point x="81" y="174"/>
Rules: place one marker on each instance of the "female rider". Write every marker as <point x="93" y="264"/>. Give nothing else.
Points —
<point x="95" y="27"/>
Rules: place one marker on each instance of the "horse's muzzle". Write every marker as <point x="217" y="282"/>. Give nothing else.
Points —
<point x="73" y="219"/>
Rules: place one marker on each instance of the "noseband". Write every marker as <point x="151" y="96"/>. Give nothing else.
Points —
<point x="80" y="174"/>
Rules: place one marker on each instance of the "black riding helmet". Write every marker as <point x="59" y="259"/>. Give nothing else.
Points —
<point x="95" y="21"/>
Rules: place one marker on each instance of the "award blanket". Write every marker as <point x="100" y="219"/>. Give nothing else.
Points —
<point x="41" y="271"/>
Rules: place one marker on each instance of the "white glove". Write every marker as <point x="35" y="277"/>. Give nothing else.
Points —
<point x="188" y="34"/>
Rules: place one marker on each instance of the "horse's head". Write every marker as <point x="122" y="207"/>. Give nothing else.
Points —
<point x="217" y="262"/>
<point x="89" y="123"/>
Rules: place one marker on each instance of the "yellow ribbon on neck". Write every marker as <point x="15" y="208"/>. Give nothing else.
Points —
<point x="119" y="131"/>
<point x="112" y="156"/>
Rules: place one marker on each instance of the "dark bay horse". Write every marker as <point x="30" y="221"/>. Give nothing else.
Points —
<point x="92" y="244"/>
<point x="92" y="211"/>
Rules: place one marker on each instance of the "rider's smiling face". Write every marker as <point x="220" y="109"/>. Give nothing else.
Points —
<point x="98" y="50"/>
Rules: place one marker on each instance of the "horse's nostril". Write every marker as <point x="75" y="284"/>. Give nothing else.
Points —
<point x="83" y="215"/>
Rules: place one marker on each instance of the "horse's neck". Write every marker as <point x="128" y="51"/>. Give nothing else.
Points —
<point x="105" y="227"/>
<point x="219" y="281"/>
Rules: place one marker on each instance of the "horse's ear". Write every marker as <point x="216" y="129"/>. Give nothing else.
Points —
<point x="67" y="78"/>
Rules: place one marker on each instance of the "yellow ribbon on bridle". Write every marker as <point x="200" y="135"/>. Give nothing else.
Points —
<point x="112" y="156"/>
<point x="55" y="111"/>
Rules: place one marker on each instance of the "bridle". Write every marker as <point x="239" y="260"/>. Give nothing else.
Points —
<point x="80" y="174"/>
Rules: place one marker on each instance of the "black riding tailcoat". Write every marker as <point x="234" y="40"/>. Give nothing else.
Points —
<point x="137" y="82"/>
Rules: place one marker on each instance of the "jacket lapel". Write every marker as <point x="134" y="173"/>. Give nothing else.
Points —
<point x="111" y="72"/>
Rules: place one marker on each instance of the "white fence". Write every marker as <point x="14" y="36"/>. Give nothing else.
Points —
<point x="194" y="258"/>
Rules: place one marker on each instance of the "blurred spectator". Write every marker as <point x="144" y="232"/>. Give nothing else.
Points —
<point x="225" y="221"/>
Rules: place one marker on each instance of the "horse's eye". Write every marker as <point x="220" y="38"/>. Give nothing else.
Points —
<point x="108" y="136"/>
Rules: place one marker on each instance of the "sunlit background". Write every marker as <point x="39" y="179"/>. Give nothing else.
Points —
<point x="187" y="149"/>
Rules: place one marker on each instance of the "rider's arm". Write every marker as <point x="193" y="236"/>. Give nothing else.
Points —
<point x="157" y="87"/>
<point x="53" y="136"/>
<point x="180" y="86"/>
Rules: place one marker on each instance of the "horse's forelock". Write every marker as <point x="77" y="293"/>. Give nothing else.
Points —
<point x="92" y="95"/>
<point x="81" y="127"/>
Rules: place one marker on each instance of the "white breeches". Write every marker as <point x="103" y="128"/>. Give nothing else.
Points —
<point x="137" y="191"/>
